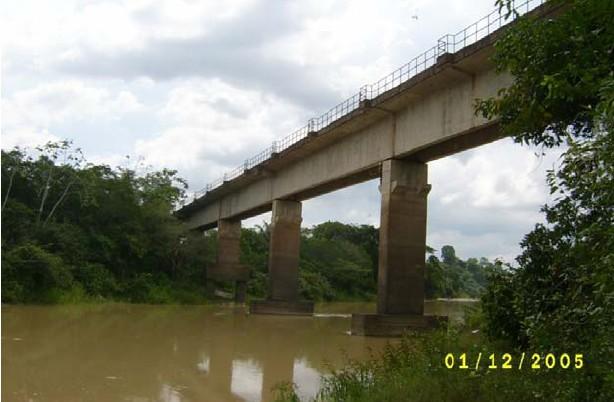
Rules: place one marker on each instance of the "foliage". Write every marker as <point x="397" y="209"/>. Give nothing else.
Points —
<point x="452" y="277"/>
<point x="561" y="297"/>
<point x="286" y="392"/>
<point x="76" y="231"/>
<point x="413" y="369"/>
<point x="30" y="272"/>
<point x="559" y="66"/>
<point x="498" y="305"/>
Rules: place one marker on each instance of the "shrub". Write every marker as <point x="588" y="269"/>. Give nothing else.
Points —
<point x="96" y="279"/>
<point x="501" y="320"/>
<point x="31" y="273"/>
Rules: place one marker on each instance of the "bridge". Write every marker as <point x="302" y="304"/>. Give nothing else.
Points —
<point x="390" y="129"/>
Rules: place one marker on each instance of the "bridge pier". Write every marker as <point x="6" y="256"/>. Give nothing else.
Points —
<point x="228" y="267"/>
<point x="402" y="251"/>
<point x="284" y="249"/>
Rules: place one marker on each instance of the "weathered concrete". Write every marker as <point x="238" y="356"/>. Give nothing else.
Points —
<point x="228" y="267"/>
<point x="402" y="237"/>
<point x="402" y="249"/>
<point x="284" y="248"/>
<point x="426" y="118"/>
<point x="280" y="307"/>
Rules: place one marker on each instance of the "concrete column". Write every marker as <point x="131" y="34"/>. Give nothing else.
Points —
<point x="402" y="253"/>
<point x="402" y="239"/>
<point x="284" y="248"/>
<point x="228" y="266"/>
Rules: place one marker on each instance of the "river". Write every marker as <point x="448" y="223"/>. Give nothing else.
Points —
<point x="139" y="353"/>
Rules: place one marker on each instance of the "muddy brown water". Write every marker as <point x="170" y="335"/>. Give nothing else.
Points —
<point x="138" y="353"/>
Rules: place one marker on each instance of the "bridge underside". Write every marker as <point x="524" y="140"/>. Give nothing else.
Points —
<point x="392" y="137"/>
<point x="426" y="118"/>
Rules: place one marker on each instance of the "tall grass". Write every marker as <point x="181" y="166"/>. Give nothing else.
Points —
<point x="414" y="370"/>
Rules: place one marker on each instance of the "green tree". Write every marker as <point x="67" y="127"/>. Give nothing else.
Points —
<point x="561" y="295"/>
<point x="448" y="254"/>
<point x="106" y="230"/>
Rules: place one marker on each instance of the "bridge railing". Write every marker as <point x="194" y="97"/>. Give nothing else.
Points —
<point x="449" y="43"/>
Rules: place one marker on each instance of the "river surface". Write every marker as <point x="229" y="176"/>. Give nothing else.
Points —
<point x="142" y="353"/>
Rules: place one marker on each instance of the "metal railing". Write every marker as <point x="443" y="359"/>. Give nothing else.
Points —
<point x="449" y="43"/>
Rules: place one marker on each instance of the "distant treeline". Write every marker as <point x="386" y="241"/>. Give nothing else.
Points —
<point x="339" y="262"/>
<point x="74" y="231"/>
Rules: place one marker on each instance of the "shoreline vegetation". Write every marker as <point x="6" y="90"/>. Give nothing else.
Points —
<point x="414" y="369"/>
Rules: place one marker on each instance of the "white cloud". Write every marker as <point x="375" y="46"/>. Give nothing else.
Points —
<point x="26" y="137"/>
<point x="201" y="85"/>
<point x="484" y="201"/>
<point x="29" y="114"/>
<point x="212" y="127"/>
<point x="504" y="175"/>
<point x="42" y="34"/>
<point x="56" y="102"/>
<point x="468" y="206"/>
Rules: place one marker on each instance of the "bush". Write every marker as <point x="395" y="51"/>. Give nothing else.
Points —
<point x="96" y="279"/>
<point x="30" y="273"/>
<point x="314" y="286"/>
<point x="501" y="319"/>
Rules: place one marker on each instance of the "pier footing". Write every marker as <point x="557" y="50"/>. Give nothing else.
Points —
<point x="281" y="307"/>
<point x="393" y="325"/>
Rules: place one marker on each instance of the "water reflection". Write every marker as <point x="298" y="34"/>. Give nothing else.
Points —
<point x="246" y="380"/>
<point x="175" y="353"/>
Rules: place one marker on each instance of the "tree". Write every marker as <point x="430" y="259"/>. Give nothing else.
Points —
<point x="559" y="68"/>
<point x="448" y="254"/>
<point x="108" y="230"/>
<point x="562" y="294"/>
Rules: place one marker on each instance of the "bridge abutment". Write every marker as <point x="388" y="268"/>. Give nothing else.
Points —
<point x="228" y="267"/>
<point x="402" y="249"/>
<point x="284" y="250"/>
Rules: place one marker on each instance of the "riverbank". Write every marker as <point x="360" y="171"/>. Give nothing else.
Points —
<point x="459" y="364"/>
<point x="416" y="369"/>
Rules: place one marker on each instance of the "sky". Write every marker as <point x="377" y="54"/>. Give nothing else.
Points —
<point x="199" y="86"/>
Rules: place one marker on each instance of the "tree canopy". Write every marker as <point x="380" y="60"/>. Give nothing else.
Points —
<point x="561" y="296"/>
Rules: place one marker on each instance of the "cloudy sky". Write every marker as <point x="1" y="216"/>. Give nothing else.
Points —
<point x="198" y="86"/>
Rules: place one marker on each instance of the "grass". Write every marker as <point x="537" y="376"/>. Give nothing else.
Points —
<point x="414" y="370"/>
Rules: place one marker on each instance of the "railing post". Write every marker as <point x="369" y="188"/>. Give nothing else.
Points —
<point x="362" y="95"/>
<point x="487" y="25"/>
<point x="442" y="45"/>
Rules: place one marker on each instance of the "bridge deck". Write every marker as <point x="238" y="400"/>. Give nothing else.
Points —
<point x="424" y="118"/>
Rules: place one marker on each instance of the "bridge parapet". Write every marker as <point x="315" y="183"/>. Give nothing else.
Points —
<point x="446" y="45"/>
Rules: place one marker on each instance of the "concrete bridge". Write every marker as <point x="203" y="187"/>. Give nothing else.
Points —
<point x="390" y="129"/>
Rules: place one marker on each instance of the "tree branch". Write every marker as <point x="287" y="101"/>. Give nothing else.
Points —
<point x="59" y="201"/>
<point x="8" y="191"/>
